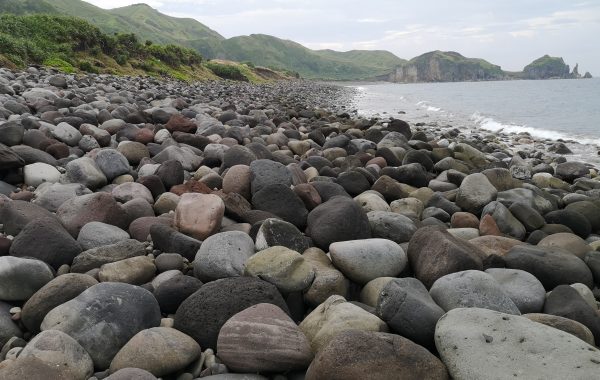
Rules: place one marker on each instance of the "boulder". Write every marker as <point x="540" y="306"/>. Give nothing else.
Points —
<point x="471" y="288"/>
<point x="56" y="292"/>
<point x="263" y="338"/>
<point x="20" y="278"/>
<point x="199" y="215"/>
<point x="158" y="350"/>
<point x="364" y="260"/>
<point x="335" y="316"/>
<point x="328" y="280"/>
<point x="526" y="291"/>
<point x="475" y="192"/>
<point x="202" y="314"/>
<point x="467" y="338"/>
<point x="551" y="266"/>
<point x="338" y="219"/>
<point x="97" y="207"/>
<point x="223" y="255"/>
<point x="282" y="267"/>
<point x="408" y="309"/>
<point x="104" y="317"/>
<point x="98" y="234"/>
<point x="565" y="301"/>
<point x="357" y="355"/>
<point x="392" y="226"/>
<point x="433" y="253"/>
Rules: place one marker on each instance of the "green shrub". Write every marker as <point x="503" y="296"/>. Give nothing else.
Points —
<point x="87" y="67"/>
<point x="60" y="64"/>
<point x="226" y="71"/>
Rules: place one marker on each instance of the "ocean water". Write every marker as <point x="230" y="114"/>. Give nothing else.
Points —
<point x="547" y="109"/>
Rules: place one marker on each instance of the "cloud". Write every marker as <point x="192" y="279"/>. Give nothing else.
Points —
<point x="372" y="20"/>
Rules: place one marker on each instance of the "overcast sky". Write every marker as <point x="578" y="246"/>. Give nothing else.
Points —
<point x="510" y="33"/>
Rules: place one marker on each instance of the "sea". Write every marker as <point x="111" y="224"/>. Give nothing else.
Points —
<point x="561" y="109"/>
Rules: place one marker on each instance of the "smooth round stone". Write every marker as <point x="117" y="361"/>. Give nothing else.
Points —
<point x="475" y="192"/>
<point x="223" y="255"/>
<point x="199" y="215"/>
<point x="263" y="338"/>
<point x="467" y="338"/>
<point x="96" y="257"/>
<point x="165" y="203"/>
<point x="408" y="309"/>
<point x="32" y="369"/>
<point x="45" y="239"/>
<point x="551" y="266"/>
<point x="52" y="196"/>
<point x="433" y="253"/>
<point x="284" y="268"/>
<point x="133" y="151"/>
<point x="135" y="270"/>
<point x="369" y="201"/>
<point x="164" y="276"/>
<point x="15" y="215"/>
<point x="56" y="292"/>
<point x="98" y="234"/>
<point x="266" y="172"/>
<point x="357" y="355"/>
<point x="364" y="260"/>
<point x="237" y="180"/>
<point x="495" y="245"/>
<point x="505" y="220"/>
<point x="464" y="220"/>
<point x="334" y="316"/>
<point x="328" y="280"/>
<point x="58" y="349"/>
<point x="66" y="133"/>
<point x="20" y="278"/>
<point x="526" y="291"/>
<point x="158" y="350"/>
<point x="570" y="243"/>
<point x="97" y="207"/>
<point x="39" y="172"/>
<point x="565" y="301"/>
<point x="338" y="219"/>
<point x="391" y="226"/>
<point x="464" y="233"/>
<point x="202" y="314"/>
<point x="471" y="288"/>
<point x="369" y="295"/>
<point x="112" y="163"/>
<point x="565" y="324"/>
<point x="587" y="294"/>
<point x="169" y="261"/>
<point x="85" y="171"/>
<point x="408" y="206"/>
<point x="173" y="291"/>
<point x="132" y="190"/>
<point x="122" y="309"/>
<point x="131" y="374"/>
<point x="280" y="200"/>
<point x="275" y="232"/>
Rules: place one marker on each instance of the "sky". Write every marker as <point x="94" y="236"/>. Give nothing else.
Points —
<point x="509" y="33"/>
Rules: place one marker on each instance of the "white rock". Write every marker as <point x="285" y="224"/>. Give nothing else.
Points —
<point x="39" y="172"/>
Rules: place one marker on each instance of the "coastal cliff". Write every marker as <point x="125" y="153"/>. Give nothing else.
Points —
<point x="439" y="66"/>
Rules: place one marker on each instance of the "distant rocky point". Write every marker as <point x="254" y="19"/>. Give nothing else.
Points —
<point x="449" y="66"/>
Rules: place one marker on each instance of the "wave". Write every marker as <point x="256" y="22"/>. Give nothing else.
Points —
<point x="425" y="104"/>
<point x="490" y="124"/>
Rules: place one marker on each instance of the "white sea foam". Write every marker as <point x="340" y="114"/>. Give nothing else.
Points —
<point x="433" y="109"/>
<point x="490" y="124"/>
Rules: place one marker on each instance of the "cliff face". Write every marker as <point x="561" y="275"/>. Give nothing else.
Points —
<point x="547" y="67"/>
<point x="438" y="66"/>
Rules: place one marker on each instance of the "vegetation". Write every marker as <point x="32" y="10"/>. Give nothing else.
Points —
<point x="226" y="71"/>
<point x="546" y="67"/>
<point x="260" y="50"/>
<point x="68" y="43"/>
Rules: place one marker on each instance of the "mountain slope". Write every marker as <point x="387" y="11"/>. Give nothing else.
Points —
<point x="270" y="51"/>
<point x="149" y="24"/>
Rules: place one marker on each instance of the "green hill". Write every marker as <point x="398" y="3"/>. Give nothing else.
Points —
<point x="263" y="50"/>
<point x="274" y="52"/>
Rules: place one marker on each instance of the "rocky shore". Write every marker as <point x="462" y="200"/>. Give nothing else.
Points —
<point x="155" y="229"/>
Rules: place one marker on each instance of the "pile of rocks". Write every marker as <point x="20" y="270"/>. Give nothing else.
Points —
<point x="230" y="231"/>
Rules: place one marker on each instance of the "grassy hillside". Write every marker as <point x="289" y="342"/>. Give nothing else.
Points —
<point x="71" y="44"/>
<point x="270" y="51"/>
<point x="261" y="50"/>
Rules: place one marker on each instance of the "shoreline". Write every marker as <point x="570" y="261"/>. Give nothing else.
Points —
<point x="431" y="116"/>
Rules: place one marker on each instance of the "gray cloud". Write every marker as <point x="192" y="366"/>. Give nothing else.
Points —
<point x="510" y="33"/>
